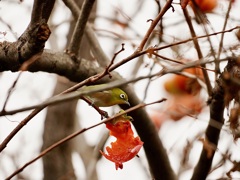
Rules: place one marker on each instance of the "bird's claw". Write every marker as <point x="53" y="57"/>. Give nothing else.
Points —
<point x="104" y="114"/>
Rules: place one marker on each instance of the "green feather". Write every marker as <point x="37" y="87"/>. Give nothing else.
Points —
<point x="106" y="98"/>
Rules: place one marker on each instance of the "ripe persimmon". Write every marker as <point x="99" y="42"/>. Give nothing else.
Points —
<point x="180" y="84"/>
<point x="205" y="5"/>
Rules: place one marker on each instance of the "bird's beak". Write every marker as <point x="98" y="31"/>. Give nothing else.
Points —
<point x="126" y="102"/>
<point x="130" y="119"/>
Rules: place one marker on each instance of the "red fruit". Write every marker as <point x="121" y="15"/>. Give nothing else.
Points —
<point x="180" y="84"/>
<point x="125" y="147"/>
<point x="205" y="5"/>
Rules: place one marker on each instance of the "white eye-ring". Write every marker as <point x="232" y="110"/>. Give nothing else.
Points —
<point x="122" y="96"/>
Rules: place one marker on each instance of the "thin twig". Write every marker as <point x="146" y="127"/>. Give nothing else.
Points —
<point x="103" y="114"/>
<point x="154" y="23"/>
<point x="10" y="92"/>
<point x="197" y="37"/>
<point x="222" y="37"/>
<point x="203" y="20"/>
<point x="24" y="67"/>
<point x="168" y="59"/>
<point x="137" y="54"/>
<point x="67" y="95"/>
<point x="198" y="49"/>
<point x="112" y="61"/>
<point x="148" y="83"/>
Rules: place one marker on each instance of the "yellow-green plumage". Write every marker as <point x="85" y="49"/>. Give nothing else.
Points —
<point x="106" y="98"/>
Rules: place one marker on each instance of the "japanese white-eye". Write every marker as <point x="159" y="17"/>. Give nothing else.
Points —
<point x="106" y="98"/>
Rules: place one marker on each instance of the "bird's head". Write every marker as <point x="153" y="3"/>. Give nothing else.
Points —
<point x="119" y="96"/>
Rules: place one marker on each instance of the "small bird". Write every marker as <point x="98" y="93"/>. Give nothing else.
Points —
<point x="106" y="98"/>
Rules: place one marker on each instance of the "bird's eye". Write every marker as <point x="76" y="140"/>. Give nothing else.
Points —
<point x="122" y="96"/>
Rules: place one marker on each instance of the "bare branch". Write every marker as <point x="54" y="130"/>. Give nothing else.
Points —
<point x="94" y="43"/>
<point x="154" y="23"/>
<point x="41" y="10"/>
<point x="217" y="68"/>
<point x="29" y="44"/>
<point x="198" y="49"/>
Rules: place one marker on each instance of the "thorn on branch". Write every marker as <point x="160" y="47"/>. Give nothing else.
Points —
<point x="173" y="10"/>
<point x="150" y="20"/>
<point x="122" y="49"/>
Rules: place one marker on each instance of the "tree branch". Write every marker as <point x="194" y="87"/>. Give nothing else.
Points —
<point x="94" y="43"/>
<point x="80" y="26"/>
<point x="220" y="48"/>
<point x="53" y="62"/>
<point x="41" y="11"/>
<point x="29" y="44"/>
<point x="198" y="49"/>
<point x="154" y="23"/>
<point x="32" y="41"/>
